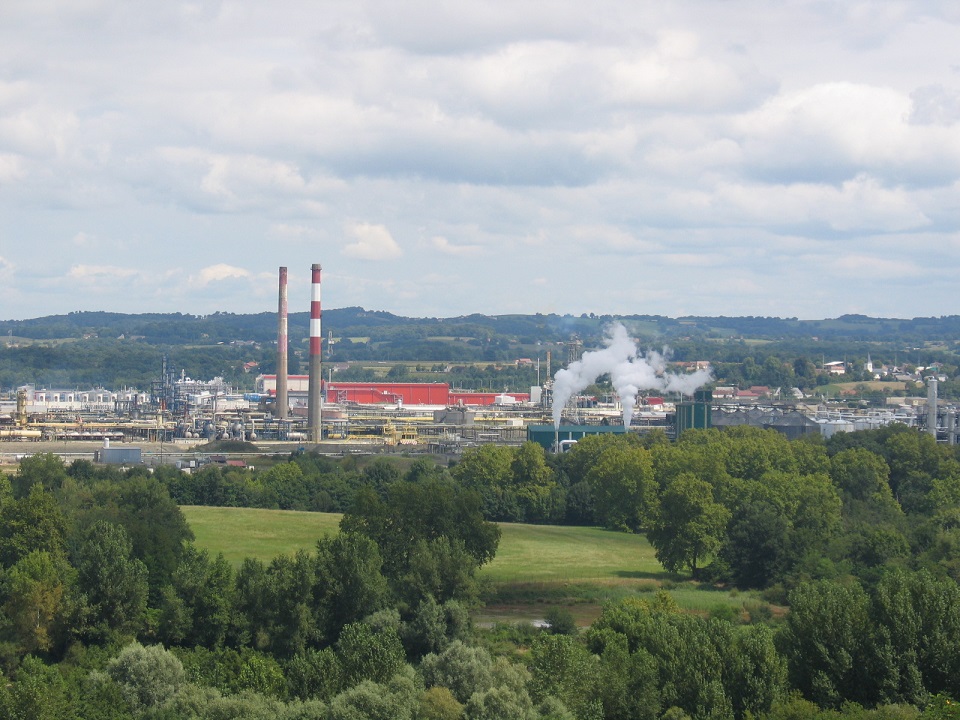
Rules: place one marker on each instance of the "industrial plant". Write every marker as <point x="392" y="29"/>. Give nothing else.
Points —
<point x="181" y="413"/>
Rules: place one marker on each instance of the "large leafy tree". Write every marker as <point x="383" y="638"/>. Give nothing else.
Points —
<point x="44" y="469"/>
<point x="487" y="471"/>
<point x="826" y="641"/>
<point x="697" y="451"/>
<point x="196" y="608"/>
<point x="111" y="582"/>
<point x="778" y="522"/>
<point x="623" y="487"/>
<point x="689" y="526"/>
<point x="914" y="459"/>
<point x="754" y="452"/>
<point x="757" y="548"/>
<point x="434" y="517"/>
<point x="534" y="483"/>
<point x="588" y="451"/>
<point x="861" y="475"/>
<point x="33" y="522"/>
<point x="152" y="521"/>
<point x="917" y="618"/>
<point x="349" y="583"/>
<point x="37" y="589"/>
<point x="757" y="676"/>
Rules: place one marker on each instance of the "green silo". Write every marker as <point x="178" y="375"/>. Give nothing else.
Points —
<point x="696" y="414"/>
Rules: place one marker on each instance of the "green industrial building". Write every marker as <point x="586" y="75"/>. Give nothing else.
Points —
<point x="696" y="414"/>
<point x="546" y="435"/>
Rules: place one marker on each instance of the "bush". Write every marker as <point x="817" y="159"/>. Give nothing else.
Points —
<point x="462" y="669"/>
<point x="561" y="621"/>
<point x="366" y="654"/>
<point x="148" y="676"/>
<point x="438" y="703"/>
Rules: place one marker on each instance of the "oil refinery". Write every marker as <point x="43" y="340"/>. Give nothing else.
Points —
<point x="180" y="413"/>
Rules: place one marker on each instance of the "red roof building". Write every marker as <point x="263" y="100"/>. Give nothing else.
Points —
<point x="393" y="393"/>
<point x="387" y="393"/>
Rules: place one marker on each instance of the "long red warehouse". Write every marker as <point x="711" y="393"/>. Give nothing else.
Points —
<point x="388" y="393"/>
<point x="374" y="393"/>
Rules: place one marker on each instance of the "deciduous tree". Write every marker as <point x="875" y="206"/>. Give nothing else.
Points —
<point x="111" y="582"/>
<point x="623" y="487"/>
<point x="689" y="526"/>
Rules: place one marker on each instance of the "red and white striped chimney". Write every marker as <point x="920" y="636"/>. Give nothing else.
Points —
<point x="315" y="398"/>
<point x="282" y="403"/>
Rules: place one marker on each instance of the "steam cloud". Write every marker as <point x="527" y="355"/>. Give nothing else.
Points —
<point x="630" y="372"/>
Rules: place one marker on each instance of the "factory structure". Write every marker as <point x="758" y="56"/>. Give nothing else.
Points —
<point x="341" y="417"/>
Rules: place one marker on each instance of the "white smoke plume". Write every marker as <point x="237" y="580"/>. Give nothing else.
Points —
<point x="630" y="372"/>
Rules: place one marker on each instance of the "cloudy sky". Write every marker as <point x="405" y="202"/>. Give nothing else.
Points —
<point x="711" y="157"/>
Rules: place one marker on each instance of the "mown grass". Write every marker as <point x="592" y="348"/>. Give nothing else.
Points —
<point x="538" y="553"/>
<point x="536" y="566"/>
<point x="262" y="534"/>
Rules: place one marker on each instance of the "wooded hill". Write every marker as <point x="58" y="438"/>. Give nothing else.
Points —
<point x="177" y="328"/>
<point x="115" y="349"/>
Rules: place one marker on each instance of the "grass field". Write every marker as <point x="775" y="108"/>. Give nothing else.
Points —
<point x="263" y="534"/>
<point x="536" y="565"/>
<point x="527" y="553"/>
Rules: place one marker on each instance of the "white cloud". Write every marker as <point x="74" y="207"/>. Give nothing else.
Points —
<point x="613" y="239"/>
<point x="292" y="232"/>
<point x="100" y="273"/>
<point x="370" y="242"/>
<point x="678" y="74"/>
<point x="84" y="240"/>
<point x="442" y="245"/>
<point x="11" y="168"/>
<point x="858" y="205"/>
<point x="935" y="105"/>
<point x="676" y="143"/>
<point x="837" y="130"/>
<point x="235" y="181"/>
<point x="870" y="266"/>
<point x="218" y="273"/>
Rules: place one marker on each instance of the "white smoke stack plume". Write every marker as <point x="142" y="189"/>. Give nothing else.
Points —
<point x="630" y="372"/>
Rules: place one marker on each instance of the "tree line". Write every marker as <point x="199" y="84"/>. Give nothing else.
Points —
<point x="743" y="506"/>
<point x="175" y="328"/>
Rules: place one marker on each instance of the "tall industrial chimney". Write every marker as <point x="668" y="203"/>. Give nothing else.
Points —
<point x="282" y="403"/>
<point x="316" y="370"/>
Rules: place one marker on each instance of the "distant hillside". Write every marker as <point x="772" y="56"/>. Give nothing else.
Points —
<point x="176" y="328"/>
<point x="115" y="349"/>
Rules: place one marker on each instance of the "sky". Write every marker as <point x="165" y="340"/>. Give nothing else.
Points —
<point x="693" y="157"/>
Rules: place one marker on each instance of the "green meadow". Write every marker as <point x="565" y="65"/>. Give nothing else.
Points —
<point x="536" y="565"/>
<point x="240" y="533"/>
